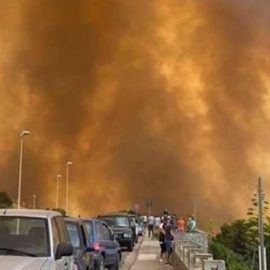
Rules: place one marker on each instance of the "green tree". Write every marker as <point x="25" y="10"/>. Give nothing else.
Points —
<point x="62" y="211"/>
<point x="238" y="241"/>
<point x="241" y="237"/>
<point x="236" y="236"/>
<point x="233" y="235"/>
<point x="5" y="200"/>
<point x="233" y="260"/>
<point x="253" y="235"/>
<point x="211" y="229"/>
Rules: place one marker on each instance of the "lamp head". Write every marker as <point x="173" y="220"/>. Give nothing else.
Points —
<point x="69" y="163"/>
<point x="59" y="175"/>
<point x="24" y="133"/>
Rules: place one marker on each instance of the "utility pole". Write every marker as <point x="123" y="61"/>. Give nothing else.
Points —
<point x="68" y="163"/>
<point x="149" y="206"/>
<point x="262" y="255"/>
<point x="34" y="201"/>
<point x="195" y="209"/>
<point x="22" y="135"/>
<point x="57" y="191"/>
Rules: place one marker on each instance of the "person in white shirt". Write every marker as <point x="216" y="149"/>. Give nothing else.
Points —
<point x="151" y="226"/>
<point x="157" y="222"/>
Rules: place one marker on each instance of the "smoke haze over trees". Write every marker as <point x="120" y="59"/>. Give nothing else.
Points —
<point x="161" y="100"/>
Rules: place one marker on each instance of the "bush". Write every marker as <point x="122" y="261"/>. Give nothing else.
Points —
<point x="5" y="200"/>
<point x="233" y="260"/>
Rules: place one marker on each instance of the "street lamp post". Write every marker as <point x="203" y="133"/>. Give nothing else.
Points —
<point x="149" y="205"/>
<point x="22" y="134"/>
<point x="195" y="209"/>
<point x="57" y="191"/>
<point x="67" y="184"/>
<point x="34" y="201"/>
<point x="262" y="254"/>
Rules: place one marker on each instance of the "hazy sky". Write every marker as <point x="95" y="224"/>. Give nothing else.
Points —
<point x="151" y="99"/>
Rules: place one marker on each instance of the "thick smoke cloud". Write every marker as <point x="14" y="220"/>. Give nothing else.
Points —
<point x="160" y="100"/>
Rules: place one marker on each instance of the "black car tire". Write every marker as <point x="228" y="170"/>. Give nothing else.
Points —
<point x="120" y="256"/>
<point x="130" y="246"/>
<point x="115" y="266"/>
<point x="101" y="264"/>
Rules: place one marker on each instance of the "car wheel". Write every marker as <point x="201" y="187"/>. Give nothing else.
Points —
<point x="130" y="246"/>
<point x="115" y="266"/>
<point x="120" y="256"/>
<point x="101" y="265"/>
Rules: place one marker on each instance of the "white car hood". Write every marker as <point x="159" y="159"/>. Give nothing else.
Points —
<point x="21" y="263"/>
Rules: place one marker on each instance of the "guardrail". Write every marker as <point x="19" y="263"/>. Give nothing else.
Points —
<point x="192" y="250"/>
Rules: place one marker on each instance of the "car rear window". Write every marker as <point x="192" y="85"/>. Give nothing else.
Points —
<point x="116" y="221"/>
<point x="122" y="221"/>
<point x="24" y="234"/>
<point x="89" y="227"/>
<point x="74" y="235"/>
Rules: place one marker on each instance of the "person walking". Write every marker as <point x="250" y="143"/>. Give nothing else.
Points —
<point x="168" y="238"/>
<point x="181" y="224"/>
<point x="162" y="241"/>
<point x="191" y="224"/>
<point x="150" y="226"/>
<point x="157" y="222"/>
<point x="173" y="222"/>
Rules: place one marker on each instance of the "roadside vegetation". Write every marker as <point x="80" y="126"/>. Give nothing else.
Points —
<point x="5" y="200"/>
<point x="237" y="242"/>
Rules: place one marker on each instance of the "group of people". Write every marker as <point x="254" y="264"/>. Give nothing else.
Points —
<point x="189" y="226"/>
<point x="166" y="236"/>
<point x="166" y="226"/>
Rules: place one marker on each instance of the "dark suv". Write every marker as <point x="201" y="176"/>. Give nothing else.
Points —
<point x="123" y="227"/>
<point x="106" y="250"/>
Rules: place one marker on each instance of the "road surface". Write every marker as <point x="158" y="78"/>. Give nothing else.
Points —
<point x="145" y="256"/>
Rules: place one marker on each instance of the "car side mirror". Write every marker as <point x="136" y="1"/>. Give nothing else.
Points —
<point x="63" y="249"/>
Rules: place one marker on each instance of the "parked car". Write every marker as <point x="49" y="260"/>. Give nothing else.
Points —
<point x="82" y="256"/>
<point x="107" y="251"/>
<point x="34" y="239"/>
<point x="123" y="227"/>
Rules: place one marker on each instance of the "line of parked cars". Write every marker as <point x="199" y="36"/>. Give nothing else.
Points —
<point x="43" y="239"/>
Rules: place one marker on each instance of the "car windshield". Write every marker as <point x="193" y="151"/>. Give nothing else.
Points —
<point x="117" y="221"/>
<point x="24" y="236"/>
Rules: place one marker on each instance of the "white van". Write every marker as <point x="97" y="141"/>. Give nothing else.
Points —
<point x="34" y="240"/>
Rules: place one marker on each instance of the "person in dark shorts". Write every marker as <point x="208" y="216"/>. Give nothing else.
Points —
<point x="168" y="238"/>
<point x="162" y="242"/>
